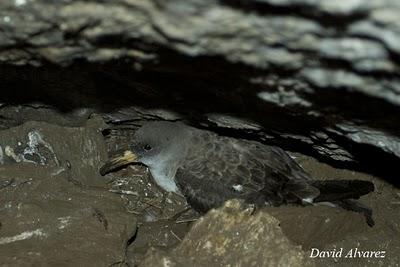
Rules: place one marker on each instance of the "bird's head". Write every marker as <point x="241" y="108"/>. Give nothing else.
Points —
<point x="153" y="143"/>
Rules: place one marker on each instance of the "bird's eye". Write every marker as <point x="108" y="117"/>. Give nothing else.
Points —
<point x="147" y="147"/>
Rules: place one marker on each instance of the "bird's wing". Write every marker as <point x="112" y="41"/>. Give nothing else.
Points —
<point x="203" y="193"/>
<point x="274" y="158"/>
<point x="220" y="168"/>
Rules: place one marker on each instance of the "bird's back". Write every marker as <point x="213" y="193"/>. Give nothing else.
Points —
<point x="238" y="168"/>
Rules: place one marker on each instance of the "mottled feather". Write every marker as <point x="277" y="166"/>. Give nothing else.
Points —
<point x="222" y="168"/>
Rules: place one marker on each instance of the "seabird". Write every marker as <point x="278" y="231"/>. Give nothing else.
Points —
<point x="208" y="169"/>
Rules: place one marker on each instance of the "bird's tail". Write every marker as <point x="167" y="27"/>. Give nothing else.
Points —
<point x="355" y="206"/>
<point x="334" y="190"/>
<point x="342" y="193"/>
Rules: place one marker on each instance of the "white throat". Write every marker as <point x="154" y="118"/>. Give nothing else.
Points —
<point x="164" y="177"/>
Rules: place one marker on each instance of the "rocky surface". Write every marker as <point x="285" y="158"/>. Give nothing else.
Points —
<point x="231" y="237"/>
<point x="55" y="208"/>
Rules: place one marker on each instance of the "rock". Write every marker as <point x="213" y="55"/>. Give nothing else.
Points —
<point x="56" y="210"/>
<point x="40" y="143"/>
<point x="387" y="142"/>
<point x="14" y="115"/>
<point x="229" y="236"/>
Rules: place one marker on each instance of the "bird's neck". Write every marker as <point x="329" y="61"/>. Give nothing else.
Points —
<point x="163" y="173"/>
<point x="164" y="167"/>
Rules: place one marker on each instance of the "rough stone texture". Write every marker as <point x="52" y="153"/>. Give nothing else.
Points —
<point x="229" y="236"/>
<point x="57" y="211"/>
<point x="316" y="74"/>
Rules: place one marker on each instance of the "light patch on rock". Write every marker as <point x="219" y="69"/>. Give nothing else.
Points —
<point x="120" y="182"/>
<point x="308" y="200"/>
<point x="238" y="147"/>
<point x="381" y="144"/>
<point x="238" y="187"/>
<point x="58" y="171"/>
<point x="167" y="262"/>
<point x="150" y="217"/>
<point x="34" y="140"/>
<point x="124" y="192"/>
<point x="22" y="236"/>
<point x="20" y="2"/>
<point x="283" y="98"/>
<point x="228" y="121"/>
<point x="208" y="245"/>
<point x="327" y="204"/>
<point x="63" y="222"/>
<point x="9" y="151"/>
<point x="1" y="156"/>
<point x="34" y="253"/>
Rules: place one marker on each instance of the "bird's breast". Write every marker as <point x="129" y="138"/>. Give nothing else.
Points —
<point x="164" y="179"/>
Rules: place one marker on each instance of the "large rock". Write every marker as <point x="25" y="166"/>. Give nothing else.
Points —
<point x="229" y="236"/>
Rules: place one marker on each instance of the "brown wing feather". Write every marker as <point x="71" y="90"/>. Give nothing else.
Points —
<point x="205" y="193"/>
<point x="219" y="168"/>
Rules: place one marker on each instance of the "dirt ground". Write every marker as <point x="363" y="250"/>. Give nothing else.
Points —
<point x="55" y="208"/>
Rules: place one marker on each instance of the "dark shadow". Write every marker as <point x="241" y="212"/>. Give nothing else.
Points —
<point x="194" y="87"/>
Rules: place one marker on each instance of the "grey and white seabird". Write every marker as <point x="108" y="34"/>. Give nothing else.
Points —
<point x="209" y="169"/>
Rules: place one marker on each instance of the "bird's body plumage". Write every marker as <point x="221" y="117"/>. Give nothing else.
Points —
<point x="221" y="167"/>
